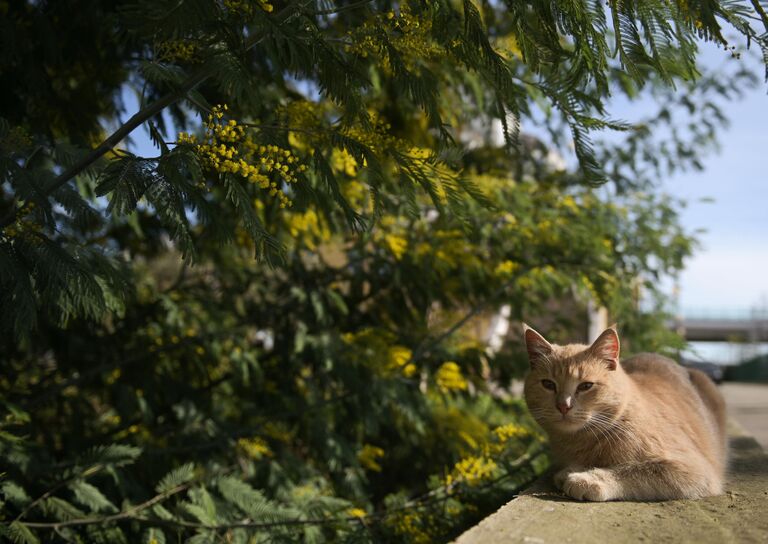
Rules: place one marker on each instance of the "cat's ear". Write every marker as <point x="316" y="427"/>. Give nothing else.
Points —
<point x="607" y="347"/>
<point x="538" y="348"/>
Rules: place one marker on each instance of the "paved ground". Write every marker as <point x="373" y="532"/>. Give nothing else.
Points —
<point x="748" y="404"/>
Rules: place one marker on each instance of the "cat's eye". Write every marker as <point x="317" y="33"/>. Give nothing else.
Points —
<point x="584" y="386"/>
<point x="549" y="384"/>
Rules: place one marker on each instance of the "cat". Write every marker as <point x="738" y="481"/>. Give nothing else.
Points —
<point x="644" y="428"/>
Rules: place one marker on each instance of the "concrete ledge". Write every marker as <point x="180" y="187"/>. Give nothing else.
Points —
<point x="541" y="515"/>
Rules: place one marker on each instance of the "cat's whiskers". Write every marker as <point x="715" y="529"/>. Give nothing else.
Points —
<point x="612" y="423"/>
<point x="615" y="430"/>
<point x="593" y="432"/>
<point x="543" y="415"/>
<point x="608" y="439"/>
<point x="602" y="423"/>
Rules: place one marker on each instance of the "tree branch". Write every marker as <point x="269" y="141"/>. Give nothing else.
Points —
<point x="426" y="347"/>
<point x="126" y="514"/>
<point x="140" y="118"/>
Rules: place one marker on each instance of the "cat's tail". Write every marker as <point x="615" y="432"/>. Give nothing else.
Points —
<point x="714" y="402"/>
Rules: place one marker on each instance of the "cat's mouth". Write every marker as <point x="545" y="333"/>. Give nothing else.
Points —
<point x="569" y="423"/>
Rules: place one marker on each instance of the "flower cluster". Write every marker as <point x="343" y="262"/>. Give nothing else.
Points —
<point x="357" y="195"/>
<point x="15" y="139"/>
<point x="411" y="526"/>
<point x="228" y="149"/>
<point x="399" y="358"/>
<point x="357" y="513"/>
<point x="505" y="432"/>
<point x="278" y="431"/>
<point x="450" y="378"/>
<point x="158" y="339"/>
<point x="374" y="135"/>
<point x="245" y="7"/>
<point x="343" y="161"/>
<point x="448" y="250"/>
<point x="472" y="470"/>
<point x="396" y="244"/>
<point x="408" y="33"/>
<point x="507" y="47"/>
<point x="540" y="276"/>
<point x="177" y="50"/>
<point x="255" y="448"/>
<point x="376" y="348"/>
<point x="415" y="35"/>
<point x="506" y="269"/>
<point x="369" y="456"/>
<point x="392" y="235"/>
<point x="22" y="226"/>
<point x="487" y="453"/>
<point x="309" y="228"/>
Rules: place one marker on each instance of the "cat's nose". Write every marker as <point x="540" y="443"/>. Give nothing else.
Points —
<point x="564" y="406"/>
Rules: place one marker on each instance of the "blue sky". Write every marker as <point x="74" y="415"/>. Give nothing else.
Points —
<point x="728" y="200"/>
<point x="730" y="270"/>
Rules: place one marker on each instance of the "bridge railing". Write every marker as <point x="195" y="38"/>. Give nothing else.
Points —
<point x="723" y="313"/>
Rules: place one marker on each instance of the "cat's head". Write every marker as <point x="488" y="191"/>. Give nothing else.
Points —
<point x="573" y="385"/>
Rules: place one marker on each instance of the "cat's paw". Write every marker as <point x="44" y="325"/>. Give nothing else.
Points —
<point x="591" y="485"/>
<point x="561" y="475"/>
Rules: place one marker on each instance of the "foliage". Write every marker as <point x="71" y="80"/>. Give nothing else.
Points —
<point x="160" y="383"/>
<point x="754" y="369"/>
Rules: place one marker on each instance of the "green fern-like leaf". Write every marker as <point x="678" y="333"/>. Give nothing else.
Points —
<point x="19" y="533"/>
<point x="267" y="246"/>
<point x="60" y="509"/>
<point x="17" y="296"/>
<point x="104" y="534"/>
<point x="112" y="455"/>
<point x="203" y="537"/>
<point x="153" y="535"/>
<point x="91" y="497"/>
<point x="14" y="493"/>
<point x="252" y="502"/>
<point x="201" y="506"/>
<point x="176" y="477"/>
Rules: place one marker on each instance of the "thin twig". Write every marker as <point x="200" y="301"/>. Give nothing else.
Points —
<point x="281" y="128"/>
<point x="126" y="514"/>
<point x="32" y="156"/>
<point x="88" y="472"/>
<point x="425" y="348"/>
<point x="342" y="9"/>
<point x="759" y="9"/>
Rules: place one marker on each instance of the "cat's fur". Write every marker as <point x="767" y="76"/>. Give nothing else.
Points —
<point x="648" y="429"/>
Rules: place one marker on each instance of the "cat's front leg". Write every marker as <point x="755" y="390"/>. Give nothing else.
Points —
<point x="597" y="484"/>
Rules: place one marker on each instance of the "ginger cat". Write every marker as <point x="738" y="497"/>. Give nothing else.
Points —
<point x="645" y="428"/>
